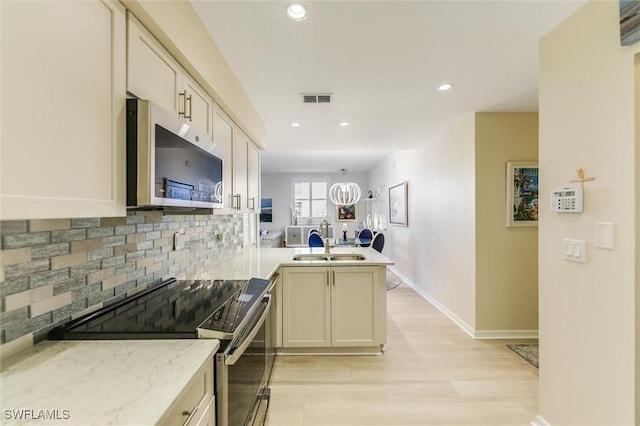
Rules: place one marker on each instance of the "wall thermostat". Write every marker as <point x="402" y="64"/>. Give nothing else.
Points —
<point x="567" y="200"/>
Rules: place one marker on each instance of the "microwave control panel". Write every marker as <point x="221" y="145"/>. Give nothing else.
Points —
<point x="567" y="200"/>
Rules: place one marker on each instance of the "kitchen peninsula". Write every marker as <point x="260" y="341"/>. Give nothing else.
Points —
<point x="324" y="302"/>
<point x="340" y="294"/>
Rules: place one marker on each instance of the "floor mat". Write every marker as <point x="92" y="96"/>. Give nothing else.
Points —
<point x="528" y="352"/>
<point x="392" y="281"/>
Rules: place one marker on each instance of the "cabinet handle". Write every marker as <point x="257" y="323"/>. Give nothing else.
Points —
<point x="334" y="278"/>
<point x="182" y="101"/>
<point x="253" y="203"/>
<point x="328" y="278"/>
<point x="190" y="116"/>
<point x="189" y="414"/>
<point x="238" y="199"/>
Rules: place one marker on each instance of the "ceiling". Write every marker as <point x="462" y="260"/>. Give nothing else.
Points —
<point x="383" y="62"/>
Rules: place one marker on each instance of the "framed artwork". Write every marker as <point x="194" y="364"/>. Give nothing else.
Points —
<point x="346" y="213"/>
<point x="266" y="210"/>
<point x="629" y="22"/>
<point x="398" y="213"/>
<point x="522" y="194"/>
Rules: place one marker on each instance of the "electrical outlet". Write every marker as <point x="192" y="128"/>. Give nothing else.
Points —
<point x="178" y="240"/>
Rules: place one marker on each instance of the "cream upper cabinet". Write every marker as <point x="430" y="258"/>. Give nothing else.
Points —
<point x="63" y="109"/>
<point x="340" y="306"/>
<point x="240" y="158"/>
<point x="198" y="106"/>
<point x="223" y="129"/>
<point x="241" y="167"/>
<point x="246" y="174"/>
<point x="152" y="73"/>
<point x="253" y="178"/>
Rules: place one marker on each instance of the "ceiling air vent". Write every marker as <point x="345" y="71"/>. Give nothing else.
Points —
<point x="317" y="98"/>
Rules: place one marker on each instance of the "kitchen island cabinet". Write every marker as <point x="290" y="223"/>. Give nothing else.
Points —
<point x="334" y="306"/>
<point x="63" y="109"/>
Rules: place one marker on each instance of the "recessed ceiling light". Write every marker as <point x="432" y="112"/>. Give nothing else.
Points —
<point x="444" y="87"/>
<point x="297" y="12"/>
<point x="294" y="124"/>
<point x="343" y="124"/>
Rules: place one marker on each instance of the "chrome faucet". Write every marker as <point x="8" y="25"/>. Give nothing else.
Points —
<point x="325" y="234"/>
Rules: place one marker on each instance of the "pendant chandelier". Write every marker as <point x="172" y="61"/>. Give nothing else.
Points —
<point x="344" y="193"/>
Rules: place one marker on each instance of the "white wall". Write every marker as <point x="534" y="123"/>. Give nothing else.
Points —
<point x="436" y="252"/>
<point x="587" y="311"/>
<point x="278" y="187"/>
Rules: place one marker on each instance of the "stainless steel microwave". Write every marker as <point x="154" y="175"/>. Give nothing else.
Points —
<point x="169" y="164"/>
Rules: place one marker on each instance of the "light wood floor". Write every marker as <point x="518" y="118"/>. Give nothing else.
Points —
<point x="432" y="373"/>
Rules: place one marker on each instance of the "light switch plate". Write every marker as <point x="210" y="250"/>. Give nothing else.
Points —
<point x="605" y="235"/>
<point x="574" y="250"/>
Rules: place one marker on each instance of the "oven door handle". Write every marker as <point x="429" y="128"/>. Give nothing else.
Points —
<point x="272" y="282"/>
<point x="255" y="328"/>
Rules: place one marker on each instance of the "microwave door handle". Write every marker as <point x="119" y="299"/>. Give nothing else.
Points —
<point x="231" y="359"/>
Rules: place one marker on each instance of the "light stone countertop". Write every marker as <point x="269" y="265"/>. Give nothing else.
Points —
<point x="126" y="382"/>
<point x="260" y="262"/>
<point x="132" y="382"/>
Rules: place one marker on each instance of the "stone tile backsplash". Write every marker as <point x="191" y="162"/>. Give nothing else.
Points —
<point x="51" y="270"/>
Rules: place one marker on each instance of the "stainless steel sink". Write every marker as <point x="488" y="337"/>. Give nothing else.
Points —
<point x="328" y="256"/>
<point x="308" y="257"/>
<point x="347" y="256"/>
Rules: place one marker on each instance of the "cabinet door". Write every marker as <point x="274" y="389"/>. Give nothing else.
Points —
<point x="223" y="130"/>
<point x="253" y="177"/>
<point x="240" y="155"/>
<point x="193" y="405"/>
<point x="306" y="307"/>
<point x="198" y="106"/>
<point x="63" y="109"/>
<point x="355" y="306"/>
<point x="151" y="72"/>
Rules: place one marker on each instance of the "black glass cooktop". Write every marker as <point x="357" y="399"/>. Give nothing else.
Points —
<point x="173" y="309"/>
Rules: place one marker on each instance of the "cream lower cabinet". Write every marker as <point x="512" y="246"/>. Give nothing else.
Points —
<point x="338" y="306"/>
<point x="63" y="109"/>
<point x="195" y="406"/>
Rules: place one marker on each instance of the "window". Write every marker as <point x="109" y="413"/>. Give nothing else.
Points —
<point x="310" y="199"/>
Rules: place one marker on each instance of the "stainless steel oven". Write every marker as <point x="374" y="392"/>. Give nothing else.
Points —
<point x="241" y="374"/>
<point x="234" y="311"/>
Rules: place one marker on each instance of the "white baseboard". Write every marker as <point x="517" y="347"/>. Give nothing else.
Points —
<point x="452" y="316"/>
<point x="481" y="334"/>
<point x="506" y="334"/>
<point x="539" y="421"/>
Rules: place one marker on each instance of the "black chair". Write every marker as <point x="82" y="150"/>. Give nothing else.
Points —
<point x="378" y="242"/>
